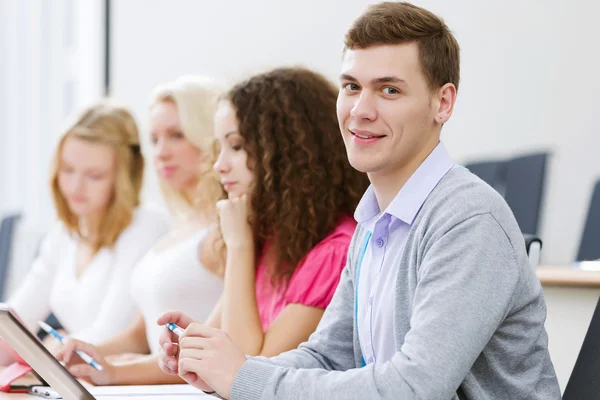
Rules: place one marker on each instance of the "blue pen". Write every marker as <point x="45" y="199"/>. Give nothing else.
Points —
<point x="84" y="356"/>
<point x="174" y="328"/>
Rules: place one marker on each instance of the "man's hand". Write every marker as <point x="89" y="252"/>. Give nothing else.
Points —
<point x="211" y="355"/>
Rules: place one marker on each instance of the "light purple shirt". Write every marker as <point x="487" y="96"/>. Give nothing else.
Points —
<point x="377" y="277"/>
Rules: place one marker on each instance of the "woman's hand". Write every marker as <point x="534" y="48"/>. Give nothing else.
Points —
<point x="234" y="219"/>
<point x="52" y="345"/>
<point x="79" y="369"/>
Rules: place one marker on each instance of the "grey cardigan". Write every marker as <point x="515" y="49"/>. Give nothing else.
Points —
<point x="468" y="319"/>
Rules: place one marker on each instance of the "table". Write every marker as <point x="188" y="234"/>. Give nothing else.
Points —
<point x="568" y="276"/>
<point x="571" y="295"/>
<point x="15" y="396"/>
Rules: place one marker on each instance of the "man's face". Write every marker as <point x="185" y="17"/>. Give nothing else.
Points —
<point x="386" y="110"/>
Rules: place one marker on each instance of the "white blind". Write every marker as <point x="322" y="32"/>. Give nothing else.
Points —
<point x="51" y="61"/>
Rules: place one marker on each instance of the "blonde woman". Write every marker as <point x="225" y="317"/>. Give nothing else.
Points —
<point x="171" y="276"/>
<point x="83" y="271"/>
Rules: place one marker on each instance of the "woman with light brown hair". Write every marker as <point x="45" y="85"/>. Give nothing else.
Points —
<point x="83" y="271"/>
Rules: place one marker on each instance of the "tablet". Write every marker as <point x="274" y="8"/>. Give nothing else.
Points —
<point x="39" y="358"/>
<point x="9" y="350"/>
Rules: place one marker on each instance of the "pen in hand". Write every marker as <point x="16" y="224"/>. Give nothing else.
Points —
<point x="174" y="328"/>
<point x="84" y="356"/>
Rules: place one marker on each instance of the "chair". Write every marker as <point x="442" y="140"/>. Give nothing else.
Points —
<point x="524" y="186"/>
<point x="521" y="182"/>
<point x="589" y="246"/>
<point x="491" y="172"/>
<point x="584" y="382"/>
<point x="533" y="245"/>
<point x="7" y="230"/>
<point x="8" y="236"/>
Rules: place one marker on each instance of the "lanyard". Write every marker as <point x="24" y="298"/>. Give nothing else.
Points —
<point x="363" y="250"/>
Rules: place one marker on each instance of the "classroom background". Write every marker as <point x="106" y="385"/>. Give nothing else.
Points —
<point x="528" y="94"/>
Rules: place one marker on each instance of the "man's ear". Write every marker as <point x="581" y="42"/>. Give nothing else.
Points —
<point x="446" y="96"/>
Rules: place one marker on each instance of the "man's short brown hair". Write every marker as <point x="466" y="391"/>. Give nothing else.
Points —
<point x="396" y="23"/>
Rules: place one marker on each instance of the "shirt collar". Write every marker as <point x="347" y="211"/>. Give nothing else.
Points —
<point x="407" y="203"/>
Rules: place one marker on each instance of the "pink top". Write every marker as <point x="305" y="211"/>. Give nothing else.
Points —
<point x="314" y="281"/>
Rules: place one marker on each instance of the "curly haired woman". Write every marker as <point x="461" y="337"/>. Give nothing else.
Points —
<point x="287" y="222"/>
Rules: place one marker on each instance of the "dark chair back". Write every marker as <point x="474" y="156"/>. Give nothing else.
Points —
<point x="589" y="246"/>
<point x="7" y="229"/>
<point x="525" y="178"/>
<point x="584" y="382"/>
<point x="491" y="172"/>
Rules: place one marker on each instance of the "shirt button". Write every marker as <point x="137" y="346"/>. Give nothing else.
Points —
<point x="371" y="300"/>
<point x="370" y="360"/>
<point x="379" y="242"/>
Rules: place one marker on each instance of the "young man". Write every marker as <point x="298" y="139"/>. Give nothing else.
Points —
<point x="438" y="300"/>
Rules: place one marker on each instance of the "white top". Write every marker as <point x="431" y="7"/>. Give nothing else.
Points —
<point x="98" y="304"/>
<point x="173" y="279"/>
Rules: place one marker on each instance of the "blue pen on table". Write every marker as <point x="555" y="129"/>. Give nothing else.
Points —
<point x="84" y="356"/>
<point x="174" y="328"/>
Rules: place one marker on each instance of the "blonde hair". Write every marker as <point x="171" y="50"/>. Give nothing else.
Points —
<point x="107" y="123"/>
<point x="196" y="99"/>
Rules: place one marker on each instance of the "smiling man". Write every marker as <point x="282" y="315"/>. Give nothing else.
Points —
<point x="438" y="300"/>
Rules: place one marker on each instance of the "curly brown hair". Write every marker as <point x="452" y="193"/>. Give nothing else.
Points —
<point x="303" y="182"/>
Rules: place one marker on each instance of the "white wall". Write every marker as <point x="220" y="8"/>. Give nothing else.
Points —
<point x="528" y="71"/>
<point x="529" y="82"/>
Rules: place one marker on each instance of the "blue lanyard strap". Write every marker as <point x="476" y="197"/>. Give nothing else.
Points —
<point x="361" y="255"/>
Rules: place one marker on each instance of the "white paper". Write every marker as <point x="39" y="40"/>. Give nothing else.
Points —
<point x="182" y="391"/>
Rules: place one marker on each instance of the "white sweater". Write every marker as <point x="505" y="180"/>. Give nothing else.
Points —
<point x="173" y="279"/>
<point x="98" y="304"/>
